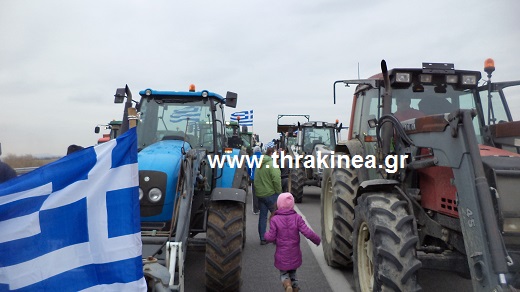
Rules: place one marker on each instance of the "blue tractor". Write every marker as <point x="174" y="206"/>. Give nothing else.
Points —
<point x="182" y="196"/>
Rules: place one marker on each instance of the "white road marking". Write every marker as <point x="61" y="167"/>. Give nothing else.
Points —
<point x="335" y="278"/>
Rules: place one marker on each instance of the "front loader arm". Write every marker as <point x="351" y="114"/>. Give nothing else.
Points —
<point x="454" y="144"/>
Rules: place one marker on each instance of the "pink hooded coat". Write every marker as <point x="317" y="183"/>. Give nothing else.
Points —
<point x="285" y="228"/>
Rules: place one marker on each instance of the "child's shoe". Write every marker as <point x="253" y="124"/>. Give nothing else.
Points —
<point x="287" y="285"/>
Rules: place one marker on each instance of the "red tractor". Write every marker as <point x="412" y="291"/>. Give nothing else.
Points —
<point x="435" y="187"/>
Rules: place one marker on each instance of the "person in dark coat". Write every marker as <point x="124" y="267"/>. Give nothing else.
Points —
<point x="6" y="172"/>
<point x="285" y="228"/>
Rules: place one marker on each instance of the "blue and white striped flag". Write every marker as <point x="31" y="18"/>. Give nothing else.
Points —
<point x="246" y="118"/>
<point x="180" y="114"/>
<point x="269" y="144"/>
<point x="73" y="225"/>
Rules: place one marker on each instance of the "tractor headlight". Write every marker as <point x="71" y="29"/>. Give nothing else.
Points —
<point x="512" y="225"/>
<point x="469" y="79"/>
<point x="141" y="193"/>
<point x="402" y="77"/>
<point x="154" y="195"/>
<point x="425" y="78"/>
<point x="452" y="79"/>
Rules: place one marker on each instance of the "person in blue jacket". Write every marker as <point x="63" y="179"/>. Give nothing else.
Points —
<point x="257" y="151"/>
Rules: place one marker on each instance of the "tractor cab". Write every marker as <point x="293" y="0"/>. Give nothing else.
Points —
<point x="314" y="134"/>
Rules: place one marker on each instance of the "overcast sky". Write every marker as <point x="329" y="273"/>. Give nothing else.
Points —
<point x="61" y="61"/>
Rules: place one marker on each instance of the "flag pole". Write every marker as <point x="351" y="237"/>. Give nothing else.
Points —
<point x="132" y="117"/>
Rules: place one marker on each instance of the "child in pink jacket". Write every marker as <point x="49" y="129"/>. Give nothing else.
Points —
<point x="284" y="231"/>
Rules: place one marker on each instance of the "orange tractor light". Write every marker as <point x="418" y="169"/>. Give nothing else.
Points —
<point x="489" y="65"/>
<point x="192" y="87"/>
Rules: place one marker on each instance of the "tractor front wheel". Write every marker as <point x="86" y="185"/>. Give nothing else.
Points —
<point x="297" y="180"/>
<point x="224" y="240"/>
<point x="338" y="191"/>
<point x="385" y="258"/>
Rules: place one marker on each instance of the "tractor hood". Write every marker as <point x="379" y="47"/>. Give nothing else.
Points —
<point x="162" y="156"/>
<point x="159" y="166"/>
<point x="492" y="151"/>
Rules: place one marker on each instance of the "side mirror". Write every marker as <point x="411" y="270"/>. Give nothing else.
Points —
<point x="231" y="99"/>
<point x="372" y="123"/>
<point x="96" y="130"/>
<point x="120" y="95"/>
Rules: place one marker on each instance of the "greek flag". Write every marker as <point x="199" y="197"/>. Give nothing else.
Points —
<point x="246" y="118"/>
<point x="73" y="225"/>
<point x="269" y="144"/>
<point x="180" y="114"/>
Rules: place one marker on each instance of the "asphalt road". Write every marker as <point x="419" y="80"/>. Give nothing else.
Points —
<point x="259" y="273"/>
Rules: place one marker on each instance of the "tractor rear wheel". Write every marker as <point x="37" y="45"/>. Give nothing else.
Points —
<point x="224" y="246"/>
<point x="338" y="192"/>
<point x="385" y="258"/>
<point x="297" y="180"/>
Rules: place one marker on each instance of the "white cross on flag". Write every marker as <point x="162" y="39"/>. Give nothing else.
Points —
<point x="73" y="225"/>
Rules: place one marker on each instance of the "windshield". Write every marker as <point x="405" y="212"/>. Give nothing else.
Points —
<point x="407" y="104"/>
<point x="315" y="136"/>
<point x="187" y="120"/>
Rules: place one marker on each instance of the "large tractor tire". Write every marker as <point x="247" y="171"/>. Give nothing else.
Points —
<point x="244" y="185"/>
<point x="338" y="192"/>
<point x="385" y="258"/>
<point x="224" y="246"/>
<point x="296" y="182"/>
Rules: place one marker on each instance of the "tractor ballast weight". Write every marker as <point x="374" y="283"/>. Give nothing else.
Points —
<point x="453" y="205"/>
<point x="180" y="194"/>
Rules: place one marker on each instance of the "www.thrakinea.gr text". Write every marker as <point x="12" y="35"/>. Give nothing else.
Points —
<point x="329" y="160"/>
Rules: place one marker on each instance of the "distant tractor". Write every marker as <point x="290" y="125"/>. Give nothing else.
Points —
<point x="288" y="133"/>
<point x="114" y="127"/>
<point x="181" y="195"/>
<point x="239" y="137"/>
<point x="314" y="139"/>
<point x="442" y="191"/>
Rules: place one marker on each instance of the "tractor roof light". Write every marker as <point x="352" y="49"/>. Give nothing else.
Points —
<point x="204" y="93"/>
<point x="148" y="92"/>
<point x="425" y="78"/>
<point x="489" y="66"/>
<point x="452" y="79"/>
<point x="192" y="88"/>
<point x="469" y="79"/>
<point x="401" y="77"/>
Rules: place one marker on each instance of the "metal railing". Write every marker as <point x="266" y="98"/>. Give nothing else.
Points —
<point x="24" y="170"/>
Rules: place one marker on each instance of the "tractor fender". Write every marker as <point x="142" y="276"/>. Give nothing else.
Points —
<point x="352" y="147"/>
<point x="228" y="194"/>
<point x="376" y="185"/>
